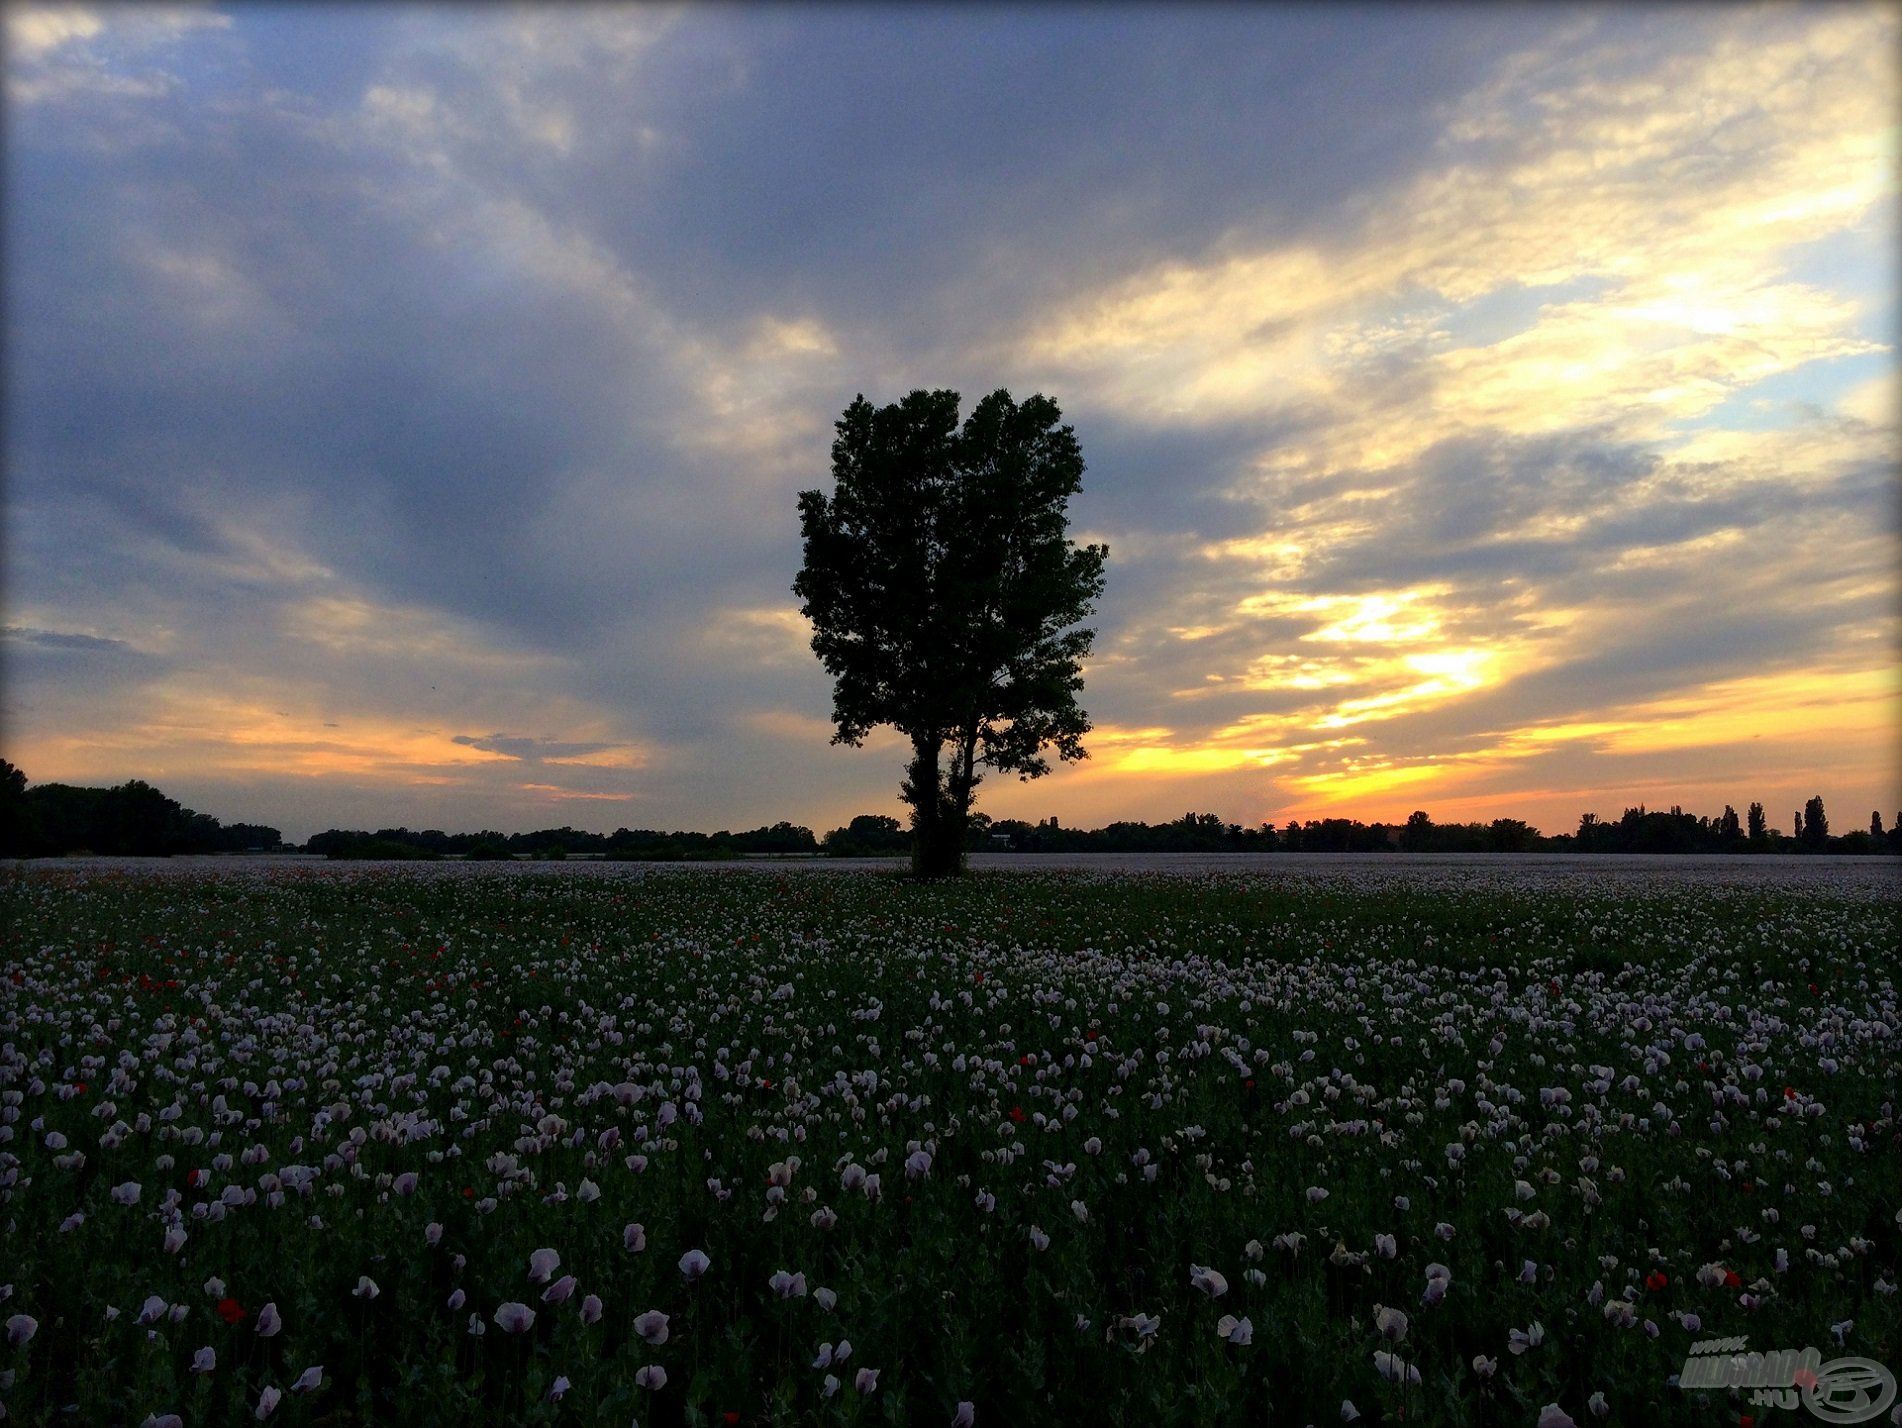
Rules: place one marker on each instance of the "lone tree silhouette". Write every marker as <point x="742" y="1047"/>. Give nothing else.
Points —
<point x="945" y="596"/>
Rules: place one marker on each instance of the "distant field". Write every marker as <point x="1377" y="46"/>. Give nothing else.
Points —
<point x="590" y="1144"/>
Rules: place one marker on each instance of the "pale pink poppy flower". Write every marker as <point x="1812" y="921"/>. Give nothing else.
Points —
<point x="853" y="1176"/>
<point x="1316" y="1194"/>
<point x="874" y="1186"/>
<point x="560" y="1290"/>
<point x="310" y="1380"/>
<point x="514" y="1318"/>
<point x="651" y="1377"/>
<point x="966" y="1416"/>
<point x="693" y="1264"/>
<point x="1386" y="1246"/>
<point x="634" y="1239"/>
<point x="476" y="1327"/>
<point x="162" y="1420"/>
<point x="1519" y="1340"/>
<point x="366" y="1288"/>
<point x="457" y="1298"/>
<point x="404" y="1184"/>
<point x="1484" y="1366"/>
<point x="917" y="1164"/>
<point x="1039" y="1241"/>
<point x="651" y="1326"/>
<point x="829" y="1386"/>
<point x="558" y="1387"/>
<point x="591" y="1309"/>
<point x="842" y="1352"/>
<point x="175" y="1238"/>
<point x="269" y="1323"/>
<point x="432" y="1233"/>
<point x="1552" y="1416"/>
<point x="1598" y="1406"/>
<point x="1349" y="1413"/>
<point x="267" y="1402"/>
<point x="128" y="1193"/>
<point x="825" y="1299"/>
<point x="866" y="1380"/>
<point x="788" y="1286"/>
<point x="205" y="1360"/>
<point x="587" y="1192"/>
<point x="542" y="1266"/>
<point x="21" y="1328"/>
<point x="1239" y="1332"/>
<point x="152" y="1310"/>
<point x="1211" y="1282"/>
<point x="1395" y="1369"/>
<point x="823" y="1359"/>
<point x="1391" y="1324"/>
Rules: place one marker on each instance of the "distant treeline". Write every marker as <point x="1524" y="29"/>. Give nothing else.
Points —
<point x="629" y="844"/>
<point x="134" y="818"/>
<point x="50" y="819"/>
<point x="1640" y="830"/>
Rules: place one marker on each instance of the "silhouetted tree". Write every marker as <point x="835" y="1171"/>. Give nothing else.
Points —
<point x="1728" y="828"/>
<point x="867" y="835"/>
<point x="945" y="597"/>
<point x="1417" y="835"/>
<point x="13" y="833"/>
<point x="1815" y="824"/>
<point x="1757" y="826"/>
<point x="1875" y="824"/>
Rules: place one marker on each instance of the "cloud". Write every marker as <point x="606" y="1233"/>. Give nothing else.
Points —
<point x="1440" y="378"/>
<point x="64" y="640"/>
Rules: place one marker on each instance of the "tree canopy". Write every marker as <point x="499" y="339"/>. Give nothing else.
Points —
<point x="946" y="598"/>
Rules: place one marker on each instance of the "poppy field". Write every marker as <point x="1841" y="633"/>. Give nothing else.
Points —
<point x="455" y="1144"/>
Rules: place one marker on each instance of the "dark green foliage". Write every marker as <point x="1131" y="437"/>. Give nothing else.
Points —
<point x="869" y="835"/>
<point x="946" y="598"/>
<point x="130" y="819"/>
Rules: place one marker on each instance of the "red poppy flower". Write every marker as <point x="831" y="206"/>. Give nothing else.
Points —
<point x="1789" y="1093"/>
<point x="1655" y="1280"/>
<point x="230" y="1310"/>
<point x="1732" y="1279"/>
<point x="1017" y="1114"/>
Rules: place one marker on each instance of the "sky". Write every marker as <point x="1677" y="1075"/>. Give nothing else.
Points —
<point x="1488" y="410"/>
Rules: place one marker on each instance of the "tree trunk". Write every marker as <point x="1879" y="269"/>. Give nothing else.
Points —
<point x="937" y="822"/>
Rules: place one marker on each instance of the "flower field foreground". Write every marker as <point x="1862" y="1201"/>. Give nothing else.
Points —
<point x="454" y="1145"/>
